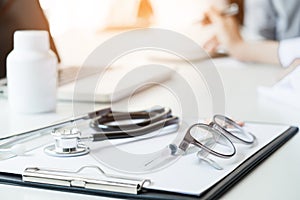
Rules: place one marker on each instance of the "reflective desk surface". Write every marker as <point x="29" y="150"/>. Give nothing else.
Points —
<point x="278" y="177"/>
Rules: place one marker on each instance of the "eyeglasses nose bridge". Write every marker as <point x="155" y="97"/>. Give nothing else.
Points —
<point x="217" y="127"/>
<point x="212" y="124"/>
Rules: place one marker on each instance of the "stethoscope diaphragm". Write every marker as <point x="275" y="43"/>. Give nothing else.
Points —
<point x="66" y="144"/>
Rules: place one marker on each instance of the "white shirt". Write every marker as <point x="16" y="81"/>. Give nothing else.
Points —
<point x="289" y="50"/>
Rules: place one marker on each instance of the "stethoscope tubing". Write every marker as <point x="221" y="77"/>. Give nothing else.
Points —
<point x="47" y="129"/>
<point x="101" y="123"/>
<point x="143" y="130"/>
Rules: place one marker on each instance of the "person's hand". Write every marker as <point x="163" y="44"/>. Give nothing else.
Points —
<point x="227" y="32"/>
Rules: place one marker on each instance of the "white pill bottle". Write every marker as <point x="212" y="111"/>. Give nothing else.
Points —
<point x="31" y="73"/>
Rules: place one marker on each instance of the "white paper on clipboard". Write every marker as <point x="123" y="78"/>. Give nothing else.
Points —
<point x="186" y="176"/>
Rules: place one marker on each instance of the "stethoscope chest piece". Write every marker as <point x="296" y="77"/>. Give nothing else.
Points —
<point x="66" y="144"/>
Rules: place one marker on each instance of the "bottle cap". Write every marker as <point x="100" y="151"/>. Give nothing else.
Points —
<point x="31" y="39"/>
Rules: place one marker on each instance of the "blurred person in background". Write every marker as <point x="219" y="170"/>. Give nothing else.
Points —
<point x="271" y="21"/>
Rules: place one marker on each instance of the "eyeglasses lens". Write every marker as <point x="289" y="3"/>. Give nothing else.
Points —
<point x="212" y="139"/>
<point x="234" y="129"/>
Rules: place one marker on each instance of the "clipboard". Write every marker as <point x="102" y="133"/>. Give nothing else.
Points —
<point x="214" y="192"/>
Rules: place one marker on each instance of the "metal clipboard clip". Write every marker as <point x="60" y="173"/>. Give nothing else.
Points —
<point x="113" y="183"/>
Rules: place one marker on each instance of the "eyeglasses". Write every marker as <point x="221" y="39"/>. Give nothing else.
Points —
<point x="217" y="137"/>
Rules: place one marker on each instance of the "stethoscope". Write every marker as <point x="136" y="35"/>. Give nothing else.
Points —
<point x="111" y="125"/>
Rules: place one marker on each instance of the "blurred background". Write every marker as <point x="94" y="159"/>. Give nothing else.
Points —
<point x="97" y="15"/>
<point x="91" y="22"/>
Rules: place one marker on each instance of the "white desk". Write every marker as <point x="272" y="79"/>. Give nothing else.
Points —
<point x="276" y="178"/>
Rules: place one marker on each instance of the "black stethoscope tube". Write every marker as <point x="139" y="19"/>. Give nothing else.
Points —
<point x="121" y="134"/>
<point x="103" y="123"/>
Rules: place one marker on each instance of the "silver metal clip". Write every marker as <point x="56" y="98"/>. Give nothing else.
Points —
<point x="108" y="182"/>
